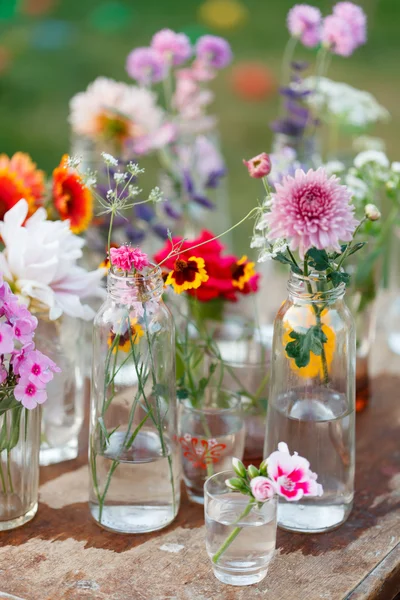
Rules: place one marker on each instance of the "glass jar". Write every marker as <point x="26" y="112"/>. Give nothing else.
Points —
<point x="134" y="455"/>
<point x="19" y="466"/>
<point x="312" y="398"/>
<point x="62" y="416"/>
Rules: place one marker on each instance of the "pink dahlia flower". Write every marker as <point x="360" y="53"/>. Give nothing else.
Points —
<point x="309" y="210"/>
<point x="338" y="36"/>
<point x="355" y="17"/>
<point x="174" y="48"/>
<point x="125" y="258"/>
<point x="304" y="23"/>
<point x="262" y="488"/>
<point x="292" y="475"/>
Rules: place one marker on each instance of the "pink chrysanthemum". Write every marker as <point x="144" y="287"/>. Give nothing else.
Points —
<point x="304" y="22"/>
<point x="355" y="17"/>
<point x="338" y="36"/>
<point x="126" y="258"/>
<point x="311" y="209"/>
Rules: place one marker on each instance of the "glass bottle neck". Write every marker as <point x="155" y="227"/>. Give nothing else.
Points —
<point x="315" y="288"/>
<point x="130" y="289"/>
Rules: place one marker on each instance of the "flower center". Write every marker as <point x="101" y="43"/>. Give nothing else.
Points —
<point x="181" y="265"/>
<point x="36" y="370"/>
<point x="288" y="484"/>
<point x="30" y="390"/>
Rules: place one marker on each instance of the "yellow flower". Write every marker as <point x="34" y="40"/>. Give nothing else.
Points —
<point x="242" y="272"/>
<point x="124" y="342"/>
<point x="187" y="275"/>
<point x="304" y="316"/>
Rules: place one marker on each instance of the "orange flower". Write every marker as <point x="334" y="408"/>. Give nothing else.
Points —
<point x="124" y="341"/>
<point x="19" y="178"/>
<point x="242" y="272"/>
<point x="187" y="274"/>
<point x="72" y="199"/>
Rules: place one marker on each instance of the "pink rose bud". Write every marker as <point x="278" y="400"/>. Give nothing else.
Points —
<point x="262" y="488"/>
<point x="259" y="166"/>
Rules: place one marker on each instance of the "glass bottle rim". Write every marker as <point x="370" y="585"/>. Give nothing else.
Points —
<point x="297" y="287"/>
<point x="235" y="403"/>
<point x="124" y="286"/>
<point x="153" y="271"/>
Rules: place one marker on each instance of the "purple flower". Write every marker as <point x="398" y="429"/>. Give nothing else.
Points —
<point x="355" y="17"/>
<point x="145" y="65"/>
<point x="304" y="23"/>
<point x="311" y="209"/>
<point x="174" y="48"/>
<point x="6" y="338"/>
<point x="338" y="36"/>
<point x="161" y="231"/>
<point x="203" y="201"/>
<point x="29" y="394"/>
<point x="214" y="51"/>
<point x="37" y="368"/>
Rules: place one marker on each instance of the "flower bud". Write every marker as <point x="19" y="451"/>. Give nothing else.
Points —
<point x="259" y="166"/>
<point x="372" y="212"/>
<point x="264" y="467"/>
<point x="253" y="471"/>
<point x="238" y="467"/>
<point x="234" y="484"/>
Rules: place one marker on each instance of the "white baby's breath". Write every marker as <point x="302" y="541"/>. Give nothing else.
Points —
<point x="133" y="169"/>
<point x="371" y="156"/>
<point x="73" y="162"/>
<point x="156" y="195"/>
<point x="109" y="159"/>
<point x="395" y="167"/>
<point x="120" y="177"/>
<point x="334" y="167"/>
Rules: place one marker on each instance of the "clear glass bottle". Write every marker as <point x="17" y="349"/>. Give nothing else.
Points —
<point x="134" y="455"/>
<point x="312" y="407"/>
<point x="19" y="466"/>
<point x="62" y="416"/>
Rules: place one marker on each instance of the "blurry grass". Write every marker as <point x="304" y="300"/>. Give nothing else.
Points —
<point x="35" y="91"/>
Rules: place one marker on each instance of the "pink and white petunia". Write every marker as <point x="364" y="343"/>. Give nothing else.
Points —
<point x="291" y="475"/>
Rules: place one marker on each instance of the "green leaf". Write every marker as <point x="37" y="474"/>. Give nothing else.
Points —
<point x="182" y="393"/>
<point x="338" y="277"/>
<point x="15" y="427"/>
<point x="138" y="428"/>
<point x="305" y="342"/>
<point x="8" y="403"/>
<point x="319" y="259"/>
<point x="282" y="258"/>
<point x="356" y="248"/>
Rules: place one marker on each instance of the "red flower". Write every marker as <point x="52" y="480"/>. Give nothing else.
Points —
<point x="219" y="268"/>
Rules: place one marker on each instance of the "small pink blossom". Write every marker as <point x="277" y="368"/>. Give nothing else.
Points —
<point x="125" y="258"/>
<point x="6" y="338"/>
<point x="213" y="51"/>
<point x="23" y="329"/>
<point x="338" y="36"/>
<point x="29" y="394"/>
<point x="19" y="356"/>
<point x="145" y="65"/>
<point x="309" y="210"/>
<point x="304" y="23"/>
<point x="291" y="475"/>
<point x="174" y="48"/>
<point x="259" y="166"/>
<point x="262" y="488"/>
<point x="37" y="368"/>
<point x="355" y="17"/>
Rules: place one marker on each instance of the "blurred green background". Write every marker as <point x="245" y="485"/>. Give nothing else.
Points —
<point x="50" y="49"/>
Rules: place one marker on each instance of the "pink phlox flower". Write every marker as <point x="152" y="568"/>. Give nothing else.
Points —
<point x="292" y="475"/>
<point x="311" y="210"/>
<point x="145" y="65"/>
<point x="24" y="329"/>
<point x="29" y="394"/>
<point x="304" y="23"/>
<point x="174" y="48"/>
<point x="37" y="368"/>
<point x="214" y="51"/>
<point x="18" y="357"/>
<point x="338" y="36"/>
<point x="355" y="17"/>
<point x="6" y="338"/>
<point x="125" y="258"/>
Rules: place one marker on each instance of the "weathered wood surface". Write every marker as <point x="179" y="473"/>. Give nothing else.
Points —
<point x="63" y="555"/>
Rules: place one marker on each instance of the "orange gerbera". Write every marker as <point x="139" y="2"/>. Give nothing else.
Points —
<point x="242" y="272"/>
<point x="187" y="274"/>
<point x="72" y="199"/>
<point x="124" y="341"/>
<point x="19" y="178"/>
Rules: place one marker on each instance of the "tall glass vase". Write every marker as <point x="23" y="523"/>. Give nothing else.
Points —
<point x="62" y="420"/>
<point x="312" y="398"/>
<point x="134" y="456"/>
<point x="19" y="466"/>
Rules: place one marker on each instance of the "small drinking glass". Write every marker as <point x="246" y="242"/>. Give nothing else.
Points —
<point x="240" y="533"/>
<point x="211" y="433"/>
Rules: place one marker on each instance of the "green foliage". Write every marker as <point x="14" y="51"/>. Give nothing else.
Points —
<point x="318" y="259"/>
<point x="338" y="277"/>
<point x="285" y="260"/>
<point x="304" y="342"/>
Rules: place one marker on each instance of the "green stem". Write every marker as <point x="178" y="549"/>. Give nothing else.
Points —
<point x="3" y="481"/>
<point x="9" y="473"/>
<point x="233" y="535"/>
<point x="317" y="311"/>
<point x="287" y="60"/>
<point x="103" y="497"/>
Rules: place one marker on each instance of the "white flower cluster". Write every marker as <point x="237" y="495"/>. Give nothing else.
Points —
<point x="343" y="103"/>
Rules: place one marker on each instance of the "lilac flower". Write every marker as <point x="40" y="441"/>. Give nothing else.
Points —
<point x="37" y="368"/>
<point x="174" y="48"/>
<point x="355" y="17"/>
<point x="145" y="65"/>
<point x="29" y="394"/>
<point x="304" y="23"/>
<point x="338" y="36"/>
<point x="214" y="51"/>
<point x="6" y="338"/>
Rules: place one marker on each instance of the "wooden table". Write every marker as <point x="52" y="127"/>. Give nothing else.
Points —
<point x="63" y="554"/>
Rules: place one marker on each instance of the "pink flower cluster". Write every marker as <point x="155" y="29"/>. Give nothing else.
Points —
<point x="126" y="258"/>
<point x="289" y="476"/>
<point x="341" y="32"/>
<point x="21" y="364"/>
